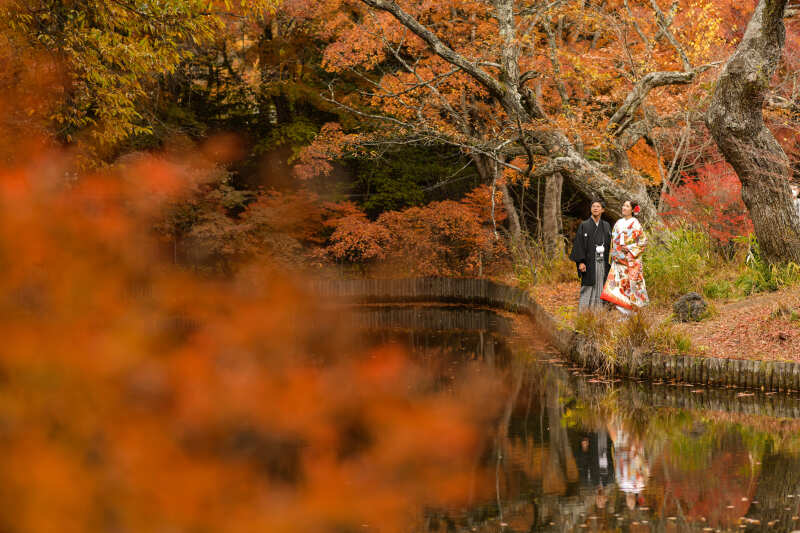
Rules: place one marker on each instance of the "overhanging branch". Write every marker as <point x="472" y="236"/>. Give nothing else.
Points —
<point x="492" y="85"/>
<point x="623" y="117"/>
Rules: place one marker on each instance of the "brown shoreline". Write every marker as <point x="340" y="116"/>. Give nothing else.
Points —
<point x="696" y="370"/>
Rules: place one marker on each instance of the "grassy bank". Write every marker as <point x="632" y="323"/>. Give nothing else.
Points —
<point x="754" y="307"/>
<point x="622" y="342"/>
<point x="683" y="260"/>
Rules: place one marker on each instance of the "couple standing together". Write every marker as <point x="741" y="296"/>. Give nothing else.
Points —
<point x="610" y="261"/>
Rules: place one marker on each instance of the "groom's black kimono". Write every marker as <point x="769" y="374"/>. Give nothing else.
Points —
<point x="588" y="236"/>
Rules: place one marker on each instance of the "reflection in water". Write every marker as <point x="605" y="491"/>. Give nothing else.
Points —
<point x="576" y="453"/>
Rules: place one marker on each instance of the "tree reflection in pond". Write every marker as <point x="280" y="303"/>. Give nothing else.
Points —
<point x="575" y="453"/>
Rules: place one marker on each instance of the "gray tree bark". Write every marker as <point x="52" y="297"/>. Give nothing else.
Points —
<point x="551" y="213"/>
<point x="514" y="225"/>
<point x="736" y="122"/>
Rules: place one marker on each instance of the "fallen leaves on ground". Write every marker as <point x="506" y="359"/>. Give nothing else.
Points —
<point x="758" y="327"/>
<point x="751" y="329"/>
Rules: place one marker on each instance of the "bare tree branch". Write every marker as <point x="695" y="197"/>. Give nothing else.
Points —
<point x="636" y="26"/>
<point x="521" y="107"/>
<point x="632" y="134"/>
<point x="624" y="115"/>
<point x="551" y="40"/>
<point x="663" y="24"/>
<point x="419" y="133"/>
<point x="421" y="82"/>
<point x="528" y="75"/>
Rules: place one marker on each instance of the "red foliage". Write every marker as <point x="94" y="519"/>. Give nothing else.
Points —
<point x="357" y="240"/>
<point x="710" y="201"/>
<point x="314" y="159"/>
<point x="292" y="227"/>
<point x="296" y="230"/>
<point x="479" y="201"/>
<point x="442" y="238"/>
<point x="299" y="215"/>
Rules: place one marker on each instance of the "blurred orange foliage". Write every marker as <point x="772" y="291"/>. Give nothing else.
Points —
<point x="137" y="396"/>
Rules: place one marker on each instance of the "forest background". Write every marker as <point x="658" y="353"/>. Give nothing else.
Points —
<point x="355" y="148"/>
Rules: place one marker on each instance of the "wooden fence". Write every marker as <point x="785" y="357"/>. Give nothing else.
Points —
<point x="766" y="375"/>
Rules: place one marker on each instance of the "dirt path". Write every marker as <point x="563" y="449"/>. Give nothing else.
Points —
<point x="750" y="328"/>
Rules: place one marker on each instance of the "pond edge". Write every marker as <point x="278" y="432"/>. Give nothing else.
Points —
<point x="574" y="346"/>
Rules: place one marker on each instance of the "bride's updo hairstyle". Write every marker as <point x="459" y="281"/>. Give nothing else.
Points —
<point x="634" y="206"/>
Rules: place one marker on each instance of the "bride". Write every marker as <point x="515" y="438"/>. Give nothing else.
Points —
<point x="625" y="287"/>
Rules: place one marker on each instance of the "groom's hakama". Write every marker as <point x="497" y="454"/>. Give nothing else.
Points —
<point x="590" y="295"/>
<point x="591" y="248"/>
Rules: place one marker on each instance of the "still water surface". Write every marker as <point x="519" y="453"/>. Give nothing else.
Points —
<point x="572" y="452"/>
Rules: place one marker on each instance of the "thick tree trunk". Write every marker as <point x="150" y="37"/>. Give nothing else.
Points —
<point x="551" y="213"/>
<point x="735" y="120"/>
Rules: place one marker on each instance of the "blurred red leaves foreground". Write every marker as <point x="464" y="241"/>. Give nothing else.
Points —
<point x="136" y="396"/>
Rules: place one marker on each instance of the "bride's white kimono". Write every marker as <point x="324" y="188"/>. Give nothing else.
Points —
<point x="625" y="283"/>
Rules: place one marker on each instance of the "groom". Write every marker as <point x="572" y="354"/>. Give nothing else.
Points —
<point x="590" y="253"/>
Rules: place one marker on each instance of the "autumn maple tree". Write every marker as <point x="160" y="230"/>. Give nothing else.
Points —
<point x="602" y="99"/>
<point x="711" y="201"/>
<point x="439" y="239"/>
<point x="538" y="91"/>
<point x="604" y="96"/>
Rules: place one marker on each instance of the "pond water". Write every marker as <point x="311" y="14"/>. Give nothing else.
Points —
<point x="573" y="452"/>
